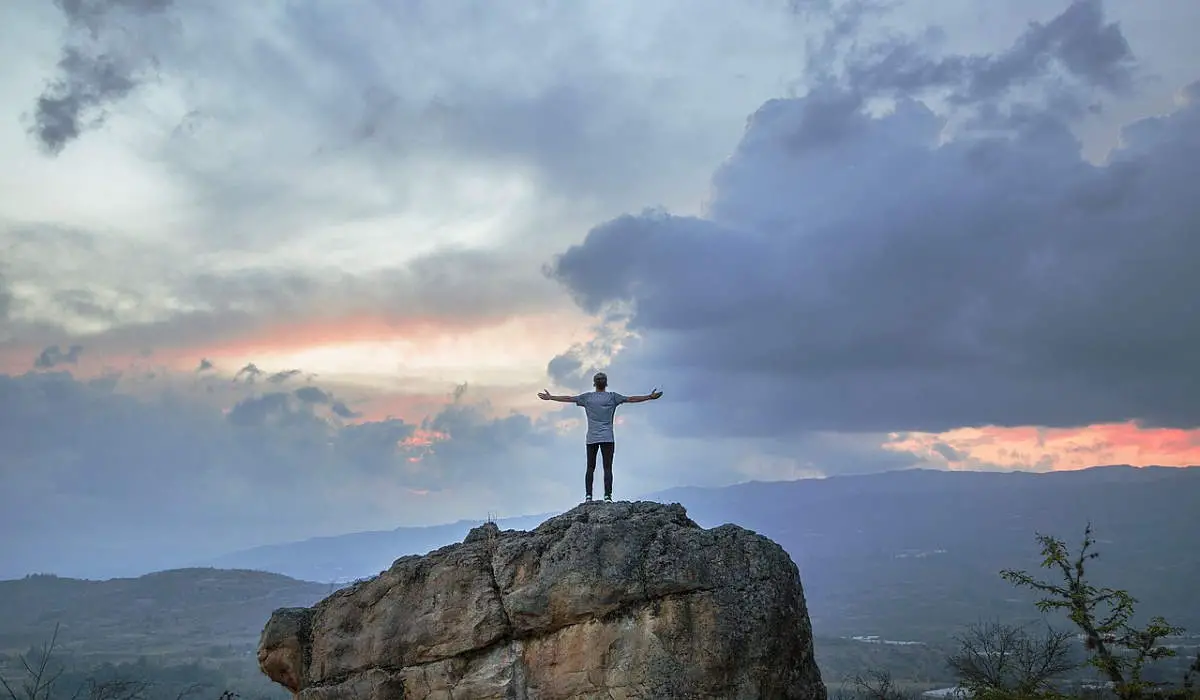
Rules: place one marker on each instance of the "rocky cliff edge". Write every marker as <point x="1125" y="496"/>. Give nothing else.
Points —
<point x="608" y="600"/>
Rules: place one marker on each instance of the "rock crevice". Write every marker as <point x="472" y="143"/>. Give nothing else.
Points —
<point x="620" y="600"/>
<point x="491" y="534"/>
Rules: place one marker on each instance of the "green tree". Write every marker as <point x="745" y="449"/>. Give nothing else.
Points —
<point x="1118" y="649"/>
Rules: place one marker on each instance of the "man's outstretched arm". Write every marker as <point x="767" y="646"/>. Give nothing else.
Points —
<point x="545" y="395"/>
<point x="648" y="397"/>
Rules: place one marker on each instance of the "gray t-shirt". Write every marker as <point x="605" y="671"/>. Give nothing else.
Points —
<point x="600" y="407"/>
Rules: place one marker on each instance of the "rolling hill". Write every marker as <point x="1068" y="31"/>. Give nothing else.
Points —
<point x="171" y="615"/>
<point x="907" y="556"/>
<point x="903" y="554"/>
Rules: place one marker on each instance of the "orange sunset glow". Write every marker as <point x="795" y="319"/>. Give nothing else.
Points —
<point x="504" y="351"/>
<point x="512" y="349"/>
<point x="422" y="441"/>
<point x="408" y="406"/>
<point x="422" y="438"/>
<point x="1054" y="449"/>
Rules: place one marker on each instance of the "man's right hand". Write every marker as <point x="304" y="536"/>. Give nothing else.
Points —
<point x="545" y="395"/>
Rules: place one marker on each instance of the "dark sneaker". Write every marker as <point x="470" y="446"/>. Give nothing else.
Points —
<point x="587" y="498"/>
<point x="608" y="497"/>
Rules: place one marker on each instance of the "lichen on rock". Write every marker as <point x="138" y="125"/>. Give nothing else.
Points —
<point x="613" y="600"/>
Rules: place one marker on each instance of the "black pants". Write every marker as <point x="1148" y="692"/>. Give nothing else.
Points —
<point x="606" y="450"/>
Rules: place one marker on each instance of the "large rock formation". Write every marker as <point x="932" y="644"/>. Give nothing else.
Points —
<point x="609" y="600"/>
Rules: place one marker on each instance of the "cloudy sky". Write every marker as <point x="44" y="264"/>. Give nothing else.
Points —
<point x="274" y="270"/>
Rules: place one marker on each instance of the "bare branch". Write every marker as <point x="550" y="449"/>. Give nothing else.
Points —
<point x="877" y="685"/>
<point x="192" y="689"/>
<point x="8" y="688"/>
<point x="118" y="689"/>
<point x="996" y="658"/>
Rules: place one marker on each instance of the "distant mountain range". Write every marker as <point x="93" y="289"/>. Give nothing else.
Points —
<point x="886" y="560"/>
<point x="904" y="555"/>
<point x="915" y="554"/>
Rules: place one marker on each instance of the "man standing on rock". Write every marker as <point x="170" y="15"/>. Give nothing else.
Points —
<point x="601" y="406"/>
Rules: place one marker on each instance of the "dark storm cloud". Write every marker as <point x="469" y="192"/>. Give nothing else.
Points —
<point x="161" y="481"/>
<point x="103" y="483"/>
<point x="272" y="468"/>
<point x="842" y="20"/>
<point x="296" y="409"/>
<point x="890" y="281"/>
<point x="260" y="410"/>
<point x="54" y="356"/>
<point x="1079" y="39"/>
<point x="100" y="64"/>
<point x="75" y="452"/>
<point x="85" y="83"/>
<point x="1078" y="43"/>
<point x="282" y="376"/>
<point x="311" y="394"/>
<point x="478" y="441"/>
<point x="564" y="368"/>
<point x="1066" y="63"/>
<point x="248" y="374"/>
<point x="341" y="410"/>
<point x="374" y="446"/>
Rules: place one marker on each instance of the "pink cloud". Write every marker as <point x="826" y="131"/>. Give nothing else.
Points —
<point x="1052" y="449"/>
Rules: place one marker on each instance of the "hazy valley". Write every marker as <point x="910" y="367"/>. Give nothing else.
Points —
<point x="893" y="566"/>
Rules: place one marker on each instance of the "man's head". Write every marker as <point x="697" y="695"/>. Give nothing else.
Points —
<point x="600" y="381"/>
